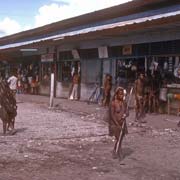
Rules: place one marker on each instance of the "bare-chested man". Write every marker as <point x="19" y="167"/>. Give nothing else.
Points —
<point x="139" y="97"/>
<point x="118" y="113"/>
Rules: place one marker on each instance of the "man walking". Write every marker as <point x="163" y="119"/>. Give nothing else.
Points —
<point x="12" y="81"/>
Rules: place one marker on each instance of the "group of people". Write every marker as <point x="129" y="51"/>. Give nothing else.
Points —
<point x="146" y="93"/>
<point x="147" y="90"/>
<point x="20" y="84"/>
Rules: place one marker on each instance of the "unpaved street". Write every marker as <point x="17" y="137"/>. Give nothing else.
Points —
<point x="65" y="144"/>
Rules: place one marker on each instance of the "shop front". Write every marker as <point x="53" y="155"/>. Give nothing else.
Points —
<point x="89" y="66"/>
<point x="66" y="65"/>
<point x="121" y="44"/>
<point x="47" y="66"/>
<point x="160" y="62"/>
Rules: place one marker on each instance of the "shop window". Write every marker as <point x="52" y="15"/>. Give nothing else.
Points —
<point x="65" y="70"/>
<point x="126" y="70"/>
<point x="46" y="70"/>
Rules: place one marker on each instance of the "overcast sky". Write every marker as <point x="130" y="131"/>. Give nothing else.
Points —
<point x="20" y="15"/>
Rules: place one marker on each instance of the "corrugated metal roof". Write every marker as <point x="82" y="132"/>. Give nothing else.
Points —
<point x="93" y="29"/>
<point x="122" y="10"/>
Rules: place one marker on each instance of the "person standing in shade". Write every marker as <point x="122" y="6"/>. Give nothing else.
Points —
<point x="74" y="93"/>
<point x="107" y="90"/>
<point x="139" y="98"/>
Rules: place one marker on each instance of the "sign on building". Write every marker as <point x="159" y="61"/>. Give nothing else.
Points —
<point x="75" y="54"/>
<point x="47" y="57"/>
<point x="127" y="50"/>
<point x="103" y="52"/>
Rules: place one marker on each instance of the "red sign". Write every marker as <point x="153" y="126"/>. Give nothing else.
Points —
<point x="127" y="50"/>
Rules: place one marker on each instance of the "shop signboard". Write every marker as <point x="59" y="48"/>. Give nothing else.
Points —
<point x="47" y="57"/>
<point x="75" y="54"/>
<point x="127" y="50"/>
<point x="103" y="52"/>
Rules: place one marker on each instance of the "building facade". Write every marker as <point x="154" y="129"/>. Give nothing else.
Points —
<point x="122" y="41"/>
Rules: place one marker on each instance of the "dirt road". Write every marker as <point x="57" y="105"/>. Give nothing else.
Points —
<point x="53" y="144"/>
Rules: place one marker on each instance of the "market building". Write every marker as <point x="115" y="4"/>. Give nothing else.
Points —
<point x="122" y="41"/>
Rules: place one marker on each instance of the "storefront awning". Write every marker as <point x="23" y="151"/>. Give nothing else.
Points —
<point x="93" y="29"/>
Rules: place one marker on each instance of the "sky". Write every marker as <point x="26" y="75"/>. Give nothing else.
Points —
<point x="21" y="15"/>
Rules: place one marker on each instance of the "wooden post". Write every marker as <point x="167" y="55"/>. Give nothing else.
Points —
<point x="168" y="105"/>
<point x="145" y="65"/>
<point x="51" y="91"/>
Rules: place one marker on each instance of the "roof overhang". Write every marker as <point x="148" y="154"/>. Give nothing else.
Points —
<point x="113" y="30"/>
<point x="125" y="9"/>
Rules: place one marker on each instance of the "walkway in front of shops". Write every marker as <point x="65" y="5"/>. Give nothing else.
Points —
<point x="98" y="113"/>
<point x="77" y="107"/>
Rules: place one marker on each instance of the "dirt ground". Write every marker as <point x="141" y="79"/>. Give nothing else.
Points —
<point x="71" y="142"/>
